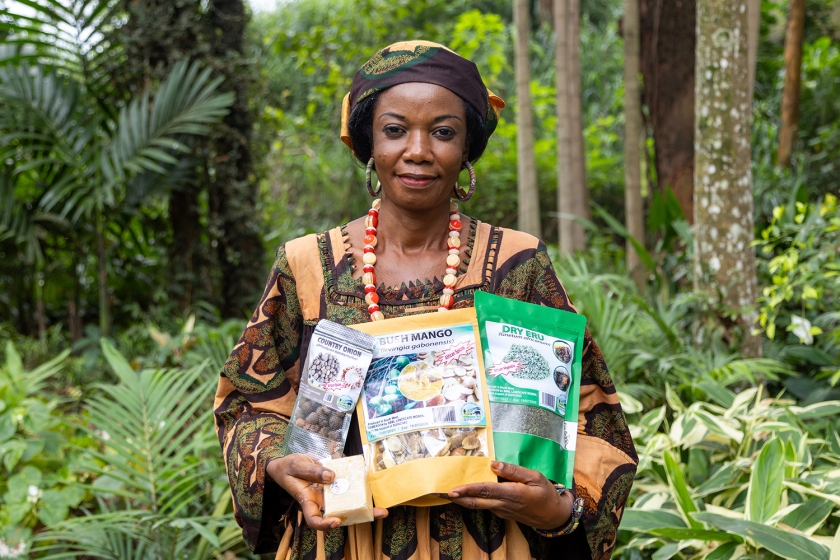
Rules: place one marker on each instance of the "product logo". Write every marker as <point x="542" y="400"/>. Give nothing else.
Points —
<point x="471" y="413"/>
<point x="340" y="486"/>
<point x="344" y="403"/>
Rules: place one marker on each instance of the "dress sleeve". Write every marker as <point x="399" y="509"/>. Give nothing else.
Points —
<point x="605" y="458"/>
<point x="253" y="402"/>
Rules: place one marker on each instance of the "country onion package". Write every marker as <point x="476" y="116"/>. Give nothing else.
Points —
<point x="423" y="410"/>
<point x="532" y="356"/>
<point x="331" y="380"/>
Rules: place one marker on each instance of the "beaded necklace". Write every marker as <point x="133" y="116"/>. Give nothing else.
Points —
<point x="453" y="242"/>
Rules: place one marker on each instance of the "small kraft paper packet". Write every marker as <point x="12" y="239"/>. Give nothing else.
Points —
<point x="331" y="379"/>
<point x="423" y="413"/>
<point x="533" y="358"/>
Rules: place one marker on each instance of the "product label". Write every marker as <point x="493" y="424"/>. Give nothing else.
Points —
<point x="423" y="379"/>
<point x="336" y="372"/>
<point x="339" y="486"/>
<point x="528" y="367"/>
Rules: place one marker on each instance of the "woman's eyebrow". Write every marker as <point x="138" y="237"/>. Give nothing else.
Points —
<point x="396" y="116"/>
<point x="444" y="117"/>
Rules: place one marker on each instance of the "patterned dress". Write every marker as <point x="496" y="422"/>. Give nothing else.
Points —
<point x="311" y="280"/>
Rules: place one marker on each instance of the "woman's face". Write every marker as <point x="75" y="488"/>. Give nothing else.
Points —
<point x="419" y="144"/>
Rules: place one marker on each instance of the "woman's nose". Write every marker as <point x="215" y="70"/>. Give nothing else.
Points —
<point x="418" y="147"/>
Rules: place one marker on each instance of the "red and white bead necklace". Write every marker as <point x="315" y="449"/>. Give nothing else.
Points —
<point x="453" y="242"/>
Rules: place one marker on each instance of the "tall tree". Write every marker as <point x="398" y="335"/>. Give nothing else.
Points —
<point x="526" y="161"/>
<point x="233" y="188"/>
<point x="633" y="208"/>
<point x="793" y="71"/>
<point x="572" y="192"/>
<point x="668" y="42"/>
<point x="723" y="209"/>
<point x="579" y="184"/>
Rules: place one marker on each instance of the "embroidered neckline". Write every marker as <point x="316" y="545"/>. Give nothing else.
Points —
<point x="429" y="286"/>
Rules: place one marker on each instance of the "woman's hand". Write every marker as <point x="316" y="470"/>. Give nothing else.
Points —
<point x="302" y="477"/>
<point x="528" y="497"/>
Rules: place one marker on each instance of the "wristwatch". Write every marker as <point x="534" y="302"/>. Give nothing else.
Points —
<point x="574" y="518"/>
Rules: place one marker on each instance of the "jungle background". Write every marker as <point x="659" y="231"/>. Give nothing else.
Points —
<point x="154" y="154"/>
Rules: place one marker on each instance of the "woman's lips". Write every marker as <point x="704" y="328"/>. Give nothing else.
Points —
<point x="415" y="181"/>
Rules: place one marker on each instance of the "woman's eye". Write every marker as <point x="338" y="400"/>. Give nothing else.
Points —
<point x="445" y="133"/>
<point x="392" y="130"/>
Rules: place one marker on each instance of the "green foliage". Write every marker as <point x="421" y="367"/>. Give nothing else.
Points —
<point x="39" y="485"/>
<point x="801" y="273"/>
<point x="738" y="475"/>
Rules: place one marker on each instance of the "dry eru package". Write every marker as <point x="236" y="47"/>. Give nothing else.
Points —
<point x="423" y="413"/>
<point x="330" y="382"/>
<point x="532" y="355"/>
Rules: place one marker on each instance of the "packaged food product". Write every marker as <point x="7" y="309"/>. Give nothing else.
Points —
<point x="532" y="355"/>
<point x="331" y="380"/>
<point x="423" y="411"/>
<point x="348" y="497"/>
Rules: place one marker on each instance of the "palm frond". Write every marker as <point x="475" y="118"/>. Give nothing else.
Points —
<point x="185" y="103"/>
<point x="153" y="433"/>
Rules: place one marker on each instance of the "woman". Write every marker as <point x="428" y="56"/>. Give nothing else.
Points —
<point x="417" y="114"/>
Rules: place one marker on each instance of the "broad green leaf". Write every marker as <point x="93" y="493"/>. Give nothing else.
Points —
<point x="680" y="490"/>
<point x="53" y="507"/>
<point x="741" y="401"/>
<point x="835" y="548"/>
<point x="726" y="551"/>
<point x="672" y="399"/>
<point x="811" y="492"/>
<point x="722" y="478"/>
<point x="686" y="534"/>
<point x="782" y="543"/>
<point x="206" y="533"/>
<point x="119" y="364"/>
<point x="7" y="427"/>
<point x="653" y="419"/>
<point x="809" y="516"/>
<point x="817" y="410"/>
<point x="668" y="551"/>
<point x="643" y="520"/>
<point x="765" y="490"/>
<point x="790" y="459"/>
<point x="19" y="484"/>
<point x="721" y="395"/>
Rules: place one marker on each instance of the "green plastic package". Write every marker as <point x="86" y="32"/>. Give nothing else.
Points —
<point x="532" y="359"/>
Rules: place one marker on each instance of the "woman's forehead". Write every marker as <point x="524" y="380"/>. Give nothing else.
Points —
<point x="419" y="98"/>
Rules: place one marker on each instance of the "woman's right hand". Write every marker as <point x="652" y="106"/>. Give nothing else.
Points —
<point x="303" y="478"/>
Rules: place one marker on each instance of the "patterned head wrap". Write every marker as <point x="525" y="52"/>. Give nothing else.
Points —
<point x="421" y="61"/>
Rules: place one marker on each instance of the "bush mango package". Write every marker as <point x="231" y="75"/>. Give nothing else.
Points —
<point x="423" y="409"/>
<point x="532" y="356"/>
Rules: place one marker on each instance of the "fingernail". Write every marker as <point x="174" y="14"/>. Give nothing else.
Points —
<point x="328" y="476"/>
<point x="454" y="494"/>
<point x="497" y="465"/>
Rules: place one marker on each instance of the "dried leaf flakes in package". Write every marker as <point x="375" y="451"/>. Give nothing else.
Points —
<point x="533" y="359"/>
<point x="423" y="410"/>
<point x="330" y="383"/>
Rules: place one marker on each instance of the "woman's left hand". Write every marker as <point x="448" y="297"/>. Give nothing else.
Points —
<point x="528" y="497"/>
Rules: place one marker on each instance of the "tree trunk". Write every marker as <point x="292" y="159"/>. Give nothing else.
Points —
<point x="793" y="71"/>
<point x="723" y="211"/>
<point x="40" y="312"/>
<point x="102" y="278"/>
<point x="184" y="254"/>
<point x="565" y="192"/>
<point x="526" y="161"/>
<point x="754" y="14"/>
<point x="633" y="208"/>
<point x="233" y="194"/>
<point x="668" y="41"/>
<point x="579" y="185"/>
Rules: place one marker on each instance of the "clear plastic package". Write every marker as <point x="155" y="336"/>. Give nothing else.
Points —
<point x="331" y="381"/>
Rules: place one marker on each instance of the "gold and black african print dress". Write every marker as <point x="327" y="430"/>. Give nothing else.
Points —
<point x="311" y="280"/>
